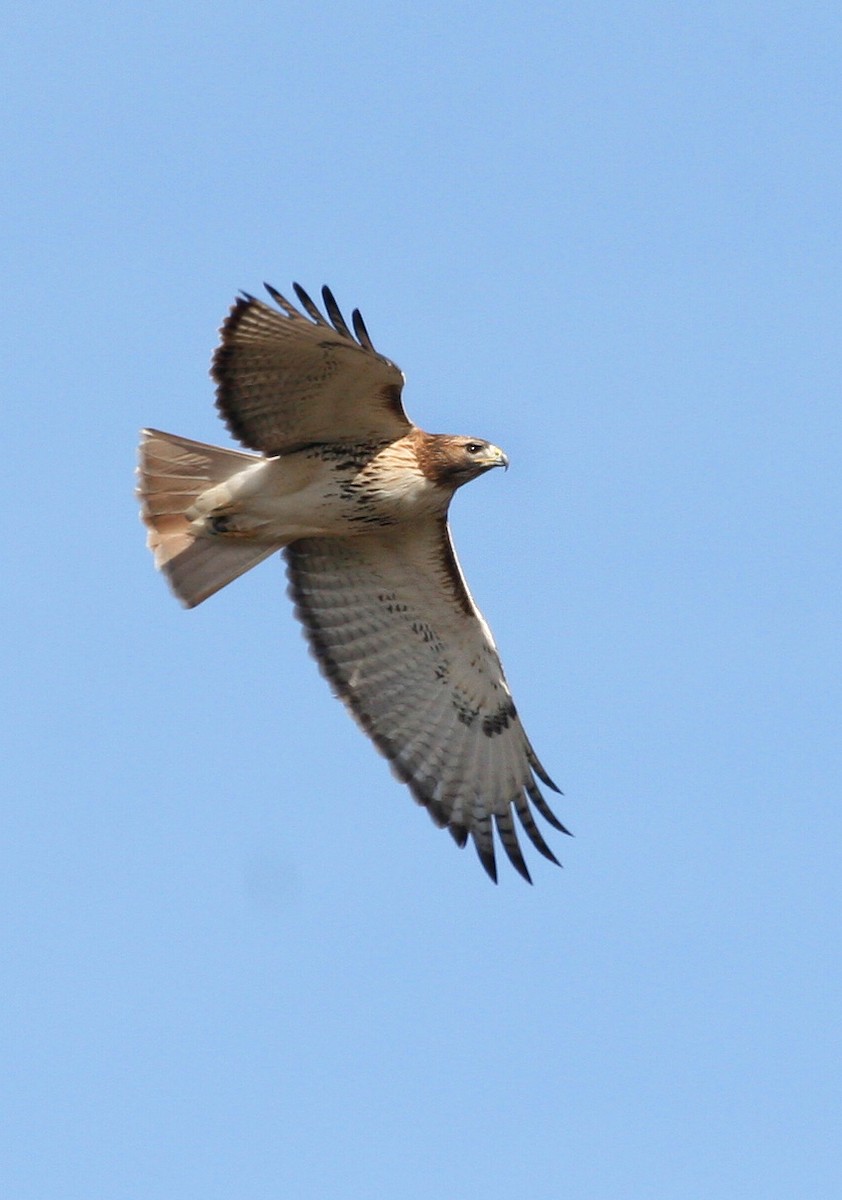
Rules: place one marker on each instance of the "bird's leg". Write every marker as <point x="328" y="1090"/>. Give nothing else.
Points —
<point x="227" y="521"/>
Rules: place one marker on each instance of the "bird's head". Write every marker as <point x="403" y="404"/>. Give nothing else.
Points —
<point x="453" y="461"/>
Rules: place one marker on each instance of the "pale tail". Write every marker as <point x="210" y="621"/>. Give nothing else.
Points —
<point x="174" y="472"/>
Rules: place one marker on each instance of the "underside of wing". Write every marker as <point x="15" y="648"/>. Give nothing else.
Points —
<point x="286" y="380"/>
<point x="394" y="628"/>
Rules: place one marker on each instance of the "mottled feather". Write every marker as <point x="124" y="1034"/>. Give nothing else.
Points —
<point x="284" y="381"/>
<point x="393" y="627"/>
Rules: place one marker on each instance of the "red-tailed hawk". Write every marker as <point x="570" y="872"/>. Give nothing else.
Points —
<point x="357" y="498"/>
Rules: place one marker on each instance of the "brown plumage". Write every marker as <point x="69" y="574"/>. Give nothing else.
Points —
<point x="357" y="497"/>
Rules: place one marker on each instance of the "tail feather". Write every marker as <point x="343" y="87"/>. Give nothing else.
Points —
<point x="174" y="472"/>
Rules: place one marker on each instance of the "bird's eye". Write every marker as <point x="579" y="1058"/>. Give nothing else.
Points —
<point x="473" y="447"/>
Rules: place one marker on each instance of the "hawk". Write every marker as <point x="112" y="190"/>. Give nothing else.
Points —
<point x="357" y="498"/>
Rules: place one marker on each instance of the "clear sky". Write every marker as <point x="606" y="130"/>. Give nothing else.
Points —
<point x="237" y="960"/>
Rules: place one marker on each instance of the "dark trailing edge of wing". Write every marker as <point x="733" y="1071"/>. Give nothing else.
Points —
<point x="221" y="370"/>
<point x="482" y="834"/>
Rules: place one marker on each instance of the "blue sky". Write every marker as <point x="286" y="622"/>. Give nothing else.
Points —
<point x="237" y="959"/>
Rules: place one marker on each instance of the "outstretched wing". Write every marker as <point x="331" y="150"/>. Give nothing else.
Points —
<point x="394" y="628"/>
<point x="285" y="381"/>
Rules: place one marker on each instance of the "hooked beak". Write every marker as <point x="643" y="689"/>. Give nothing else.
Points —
<point x="498" y="458"/>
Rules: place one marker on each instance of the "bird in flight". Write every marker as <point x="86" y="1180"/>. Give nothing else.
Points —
<point x="357" y="497"/>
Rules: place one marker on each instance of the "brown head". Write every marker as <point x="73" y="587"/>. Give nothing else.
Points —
<point x="450" y="460"/>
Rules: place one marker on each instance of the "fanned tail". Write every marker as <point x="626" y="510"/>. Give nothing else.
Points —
<point x="174" y="472"/>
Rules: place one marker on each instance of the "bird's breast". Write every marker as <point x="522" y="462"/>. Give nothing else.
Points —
<point x="389" y="487"/>
<point x="328" y="491"/>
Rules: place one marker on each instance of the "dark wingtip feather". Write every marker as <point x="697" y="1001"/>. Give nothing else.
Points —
<point x="532" y="830"/>
<point x="508" y="836"/>
<point x="544" y="808"/>
<point x="308" y="305"/>
<point x="361" y="331"/>
<point x="335" y="313"/>
<point x="541" y="773"/>
<point x="286" y="306"/>
<point x="485" y="850"/>
<point x="459" y="834"/>
<point x="280" y="300"/>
